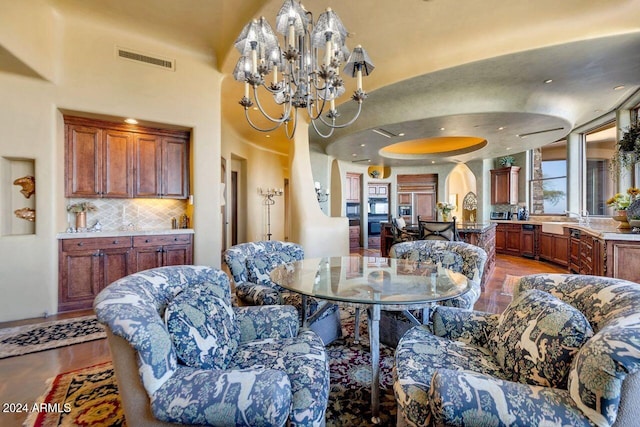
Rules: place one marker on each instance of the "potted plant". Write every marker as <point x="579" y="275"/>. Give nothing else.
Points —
<point x="627" y="149"/>
<point x="506" y="161"/>
<point x="81" y="209"/>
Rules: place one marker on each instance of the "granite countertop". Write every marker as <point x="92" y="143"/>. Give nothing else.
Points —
<point x="119" y="233"/>
<point x="603" y="228"/>
<point x="474" y="227"/>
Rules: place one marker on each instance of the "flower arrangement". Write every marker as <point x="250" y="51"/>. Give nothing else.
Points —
<point x="82" y="207"/>
<point x="445" y="207"/>
<point x="507" y="160"/>
<point x="621" y="201"/>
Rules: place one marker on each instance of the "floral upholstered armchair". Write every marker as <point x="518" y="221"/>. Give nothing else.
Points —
<point x="182" y="354"/>
<point x="457" y="256"/>
<point x="250" y="265"/>
<point x="566" y="351"/>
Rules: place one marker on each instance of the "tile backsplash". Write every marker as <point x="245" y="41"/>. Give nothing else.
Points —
<point x="136" y="214"/>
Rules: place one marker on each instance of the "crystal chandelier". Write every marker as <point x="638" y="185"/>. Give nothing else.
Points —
<point x="305" y="73"/>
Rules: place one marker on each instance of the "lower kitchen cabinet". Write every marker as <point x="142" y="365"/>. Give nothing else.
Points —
<point x="555" y="248"/>
<point x="88" y="265"/>
<point x="159" y="251"/>
<point x="354" y="236"/>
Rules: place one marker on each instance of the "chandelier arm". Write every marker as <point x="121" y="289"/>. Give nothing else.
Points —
<point x="277" y="125"/>
<point x="281" y="120"/>
<point x="350" y="122"/>
<point x="291" y="133"/>
<point x="323" y="135"/>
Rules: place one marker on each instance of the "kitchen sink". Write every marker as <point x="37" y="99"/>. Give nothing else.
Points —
<point x="555" y="227"/>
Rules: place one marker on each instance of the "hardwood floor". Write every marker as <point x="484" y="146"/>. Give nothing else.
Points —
<point x="23" y="378"/>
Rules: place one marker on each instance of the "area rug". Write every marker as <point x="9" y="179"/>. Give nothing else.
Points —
<point x="509" y="284"/>
<point x="91" y="394"/>
<point x="26" y="339"/>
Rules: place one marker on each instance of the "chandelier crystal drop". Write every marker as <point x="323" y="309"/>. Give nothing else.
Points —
<point x="305" y="69"/>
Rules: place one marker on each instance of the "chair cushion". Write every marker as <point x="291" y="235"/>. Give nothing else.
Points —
<point x="260" y="266"/>
<point x="400" y="223"/>
<point x="202" y="328"/>
<point x="537" y="337"/>
<point x="443" y="257"/>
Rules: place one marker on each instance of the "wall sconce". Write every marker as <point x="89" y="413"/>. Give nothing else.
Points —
<point x="322" y="195"/>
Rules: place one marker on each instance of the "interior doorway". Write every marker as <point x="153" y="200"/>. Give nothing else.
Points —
<point x="234" y="208"/>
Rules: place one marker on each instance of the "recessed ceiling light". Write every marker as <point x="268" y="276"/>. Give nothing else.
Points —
<point x="363" y="145"/>
<point x="433" y="162"/>
<point x="548" y="81"/>
<point x="268" y="136"/>
<point x="354" y="155"/>
<point x="441" y="128"/>
<point x="619" y="87"/>
<point x="131" y="121"/>
<point x="501" y="128"/>
<point x="508" y="148"/>
<point x="401" y="134"/>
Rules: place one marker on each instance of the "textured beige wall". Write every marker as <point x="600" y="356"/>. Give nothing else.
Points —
<point x="81" y="73"/>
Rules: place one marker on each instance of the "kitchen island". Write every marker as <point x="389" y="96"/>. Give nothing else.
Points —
<point x="478" y="234"/>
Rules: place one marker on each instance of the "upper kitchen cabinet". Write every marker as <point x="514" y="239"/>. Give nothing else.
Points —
<point x="161" y="167"/>
<point x="99" y="162"/>
<point x="113" y="160"/>
<point x="504" y="185"/>
<point x="353" y="188"/>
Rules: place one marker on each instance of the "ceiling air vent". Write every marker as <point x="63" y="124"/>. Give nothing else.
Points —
<point x="131" y="55"/>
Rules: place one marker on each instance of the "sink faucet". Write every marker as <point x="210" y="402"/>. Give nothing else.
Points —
<point x="583" y="216"/>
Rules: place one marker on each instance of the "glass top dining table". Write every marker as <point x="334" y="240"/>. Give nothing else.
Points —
<point x="374" y="283"/>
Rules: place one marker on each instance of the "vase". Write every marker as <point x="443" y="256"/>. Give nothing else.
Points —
<point x="81" y="220"/>
<point x="445" y="216"/>
<point x="621" y="217"/>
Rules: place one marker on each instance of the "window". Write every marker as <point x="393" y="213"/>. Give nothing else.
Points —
<point x="548" y="190"/>
<point x="600" y="182"/>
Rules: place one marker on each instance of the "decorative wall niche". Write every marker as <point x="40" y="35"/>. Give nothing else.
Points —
<point x="18" y="196"/>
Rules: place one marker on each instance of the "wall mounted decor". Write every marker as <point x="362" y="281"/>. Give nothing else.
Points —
<point x="26" y="213"/>
<point x="28" y="184"/>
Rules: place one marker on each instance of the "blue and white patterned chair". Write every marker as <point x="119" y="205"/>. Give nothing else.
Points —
<point x="457" y="256"/>
<point x="250" y="265"/>
<point x="182" y="354"/>
<point x="566" y="351"/>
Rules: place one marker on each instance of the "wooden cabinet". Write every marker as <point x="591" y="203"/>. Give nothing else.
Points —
<point x="528" y="241"/>
<point x="504" y="186"/>
<point x="555" y="248"/>
<point x="161" y="250"/>
<point x="512" y="239"/>
<point x="622" y="260"/>
<point x="354" y="236"/>
<point x="353" y="188"/>
<point x="574" y="251"/>
<point x="88" y="265"/>
<point x="378" y="190"/>
<point x="104" y="159"/>
<point x="424" y="205"/>
<point x="98" y="162"/>
<point x="508" y="239"/>
<point x="501" y="243"/>
<point x="161" y="167"/>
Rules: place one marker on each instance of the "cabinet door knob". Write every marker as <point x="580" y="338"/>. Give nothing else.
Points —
<point x="81" y="244"/>
<point x="115" y="242"/>
<point x="146" y="240"/>
<point x="175" y="239"/>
